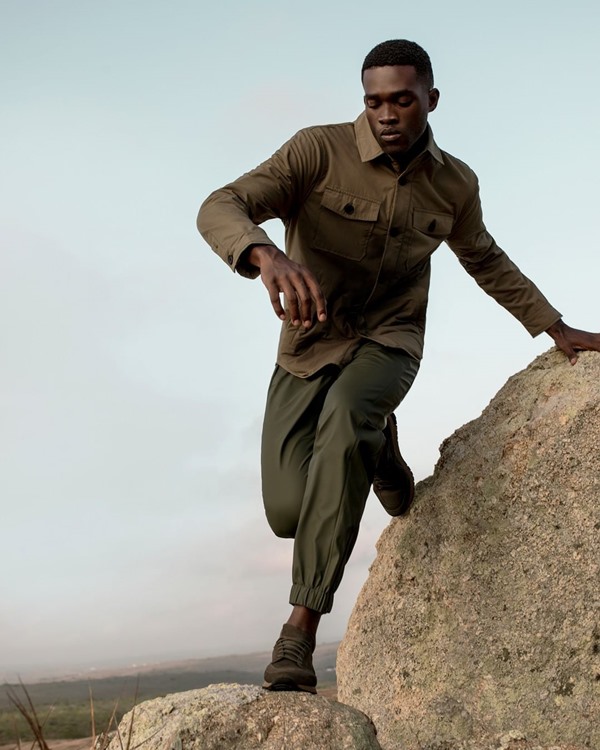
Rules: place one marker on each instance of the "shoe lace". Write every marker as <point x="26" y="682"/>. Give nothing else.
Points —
<point x="296" y="651"/>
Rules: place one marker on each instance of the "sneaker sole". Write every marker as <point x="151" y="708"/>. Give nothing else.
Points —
<point x="288" y="685"/>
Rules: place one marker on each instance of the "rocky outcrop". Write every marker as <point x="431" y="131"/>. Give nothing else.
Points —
<point x="244" y="717"/>
<point x="478" y="626"/>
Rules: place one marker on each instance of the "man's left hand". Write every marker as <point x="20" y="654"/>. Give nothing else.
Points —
<point x="571" y="340"/>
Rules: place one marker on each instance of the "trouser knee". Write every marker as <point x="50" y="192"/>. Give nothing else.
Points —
<point x="282" y="526"/>
<point x="282" y="510"/>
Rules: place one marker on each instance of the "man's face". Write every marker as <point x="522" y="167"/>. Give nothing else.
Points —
<point x="397" y="103"/>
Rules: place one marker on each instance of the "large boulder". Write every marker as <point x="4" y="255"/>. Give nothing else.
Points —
<point x="244" y="717"/>
<point x="480" y="617"/>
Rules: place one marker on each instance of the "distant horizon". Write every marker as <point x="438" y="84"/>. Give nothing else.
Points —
<point x="116" y="668"/>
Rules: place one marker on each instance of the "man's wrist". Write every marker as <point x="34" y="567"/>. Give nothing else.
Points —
<point x="256" y="254"/>
<point x="555" y="329"/>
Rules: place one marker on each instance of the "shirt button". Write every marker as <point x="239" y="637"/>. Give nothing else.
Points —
<point x="230" y="259"/>
<point x="402" y="181"/>
<point x="349" y="208"/>
<point x="394" y="232"/>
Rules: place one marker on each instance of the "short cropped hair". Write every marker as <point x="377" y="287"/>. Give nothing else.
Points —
<point x="400" y="52"/>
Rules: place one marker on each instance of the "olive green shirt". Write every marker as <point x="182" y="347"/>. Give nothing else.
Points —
<point x="367" y="231"/>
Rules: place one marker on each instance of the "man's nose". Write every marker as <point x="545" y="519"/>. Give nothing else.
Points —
<point x="387" y="114"/>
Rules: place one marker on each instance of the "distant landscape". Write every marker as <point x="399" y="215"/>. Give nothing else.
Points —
<point x="65" y="703"/>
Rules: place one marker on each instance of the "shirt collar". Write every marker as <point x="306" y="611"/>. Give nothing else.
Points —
<point x="369" y="149"/>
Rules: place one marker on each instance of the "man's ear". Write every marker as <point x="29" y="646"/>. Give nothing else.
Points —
<point x="434" y="97"/>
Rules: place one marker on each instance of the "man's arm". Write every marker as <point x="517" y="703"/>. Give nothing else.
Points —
<point x="497" y="275"/>
<point x="229" y="218"/>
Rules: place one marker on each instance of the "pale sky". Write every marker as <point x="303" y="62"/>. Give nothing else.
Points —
<point x="135" y="364"/>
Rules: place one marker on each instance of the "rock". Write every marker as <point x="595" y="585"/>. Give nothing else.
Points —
<point x="244" y="717"/>
<point x="478" y="625"/>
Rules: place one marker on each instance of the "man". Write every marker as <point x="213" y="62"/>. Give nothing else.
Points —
<point x="364" y="205"/>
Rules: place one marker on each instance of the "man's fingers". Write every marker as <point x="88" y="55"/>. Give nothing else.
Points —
<point x="570" y="352"/>
<point x="299" y="297"/>
<point x="572" y="340"/>
<point x="298" y="285"/>
<point x="277" y="307"/>
<point x="305" y="299"/>
<point x="565" y="345"/>
<point x="318" y="297"/>
<point x="587" y="341"/>
<point x="310" y="297"/>
<point x="275" y="289"/>
<point x="579" y="341"/>
<point x="292" y="302"/>
<point x="575" y="340"/>
<point x="274" y="292"/>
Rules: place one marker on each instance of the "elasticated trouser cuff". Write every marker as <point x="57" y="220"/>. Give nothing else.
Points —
<point x="321" y="600"/>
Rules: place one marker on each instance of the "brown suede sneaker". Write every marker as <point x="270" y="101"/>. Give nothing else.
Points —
<point x="292" y="667"/>
<point x="393" y="483"/>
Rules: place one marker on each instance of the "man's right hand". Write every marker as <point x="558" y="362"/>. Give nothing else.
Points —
<point x="299" y="287"/>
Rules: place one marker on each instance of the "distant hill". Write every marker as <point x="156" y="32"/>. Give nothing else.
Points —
<point x="67" y="699"/>
<point x="165" y="677"/>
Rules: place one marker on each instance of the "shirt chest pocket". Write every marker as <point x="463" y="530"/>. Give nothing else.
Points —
<point x="345" y="223"/>
<point x="430" y="229"/>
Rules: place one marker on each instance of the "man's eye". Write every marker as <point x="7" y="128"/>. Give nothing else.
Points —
<point x="404" y="102"/>
<point x="372" y="103"/>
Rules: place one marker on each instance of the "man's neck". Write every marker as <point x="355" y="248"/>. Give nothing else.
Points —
<point x="403" y="160"/>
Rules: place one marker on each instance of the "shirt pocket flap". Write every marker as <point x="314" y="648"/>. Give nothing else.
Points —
<point x="433" y="223"/>
<point x="350" y="206"/>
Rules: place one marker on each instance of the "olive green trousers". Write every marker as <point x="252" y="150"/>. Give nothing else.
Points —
<point x="320" y="442"/>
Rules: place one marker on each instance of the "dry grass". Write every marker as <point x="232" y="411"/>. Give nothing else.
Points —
<point x="85" y="743"/>
<point x="21" y="700"/>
